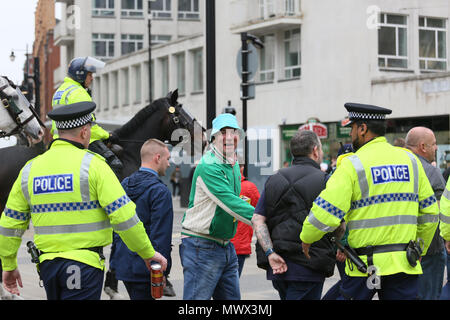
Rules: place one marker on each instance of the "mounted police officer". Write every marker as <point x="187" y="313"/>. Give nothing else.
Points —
<point x="74" y="201"/>
<point x="388" y="204"/>
<point x="75" y="88"/>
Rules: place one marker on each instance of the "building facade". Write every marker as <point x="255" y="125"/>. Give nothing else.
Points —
<point x="317" y="55"/>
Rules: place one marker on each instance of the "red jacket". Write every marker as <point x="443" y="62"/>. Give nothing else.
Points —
<point x="243" y="237"/>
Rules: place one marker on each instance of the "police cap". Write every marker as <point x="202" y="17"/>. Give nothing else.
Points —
<point x="73" y="115"/>
<point x="358" y="111"/>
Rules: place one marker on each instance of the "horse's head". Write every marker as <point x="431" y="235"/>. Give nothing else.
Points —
<point x="17" y="115"/>
<point x="183" y="126"/>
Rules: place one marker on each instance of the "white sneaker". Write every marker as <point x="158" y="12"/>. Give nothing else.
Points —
<point x="5" y="295"/>
<point x="113" y="295"/>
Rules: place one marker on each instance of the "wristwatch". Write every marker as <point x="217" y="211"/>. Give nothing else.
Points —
<point x="269" y="252"/>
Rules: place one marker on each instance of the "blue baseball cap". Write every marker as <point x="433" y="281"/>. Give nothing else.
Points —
<point x="225" y="120"/>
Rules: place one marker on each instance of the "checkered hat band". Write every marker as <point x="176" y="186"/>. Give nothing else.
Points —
<point x="367" y="116"/>
<point x="74" y="123"/>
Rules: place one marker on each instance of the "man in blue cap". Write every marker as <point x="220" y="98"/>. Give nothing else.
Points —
<point x="210" y="264"/>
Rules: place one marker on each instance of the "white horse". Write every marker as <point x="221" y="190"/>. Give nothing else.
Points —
<point x="17" y="115"/>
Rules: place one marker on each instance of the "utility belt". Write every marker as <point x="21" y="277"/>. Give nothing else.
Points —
<point x="413" y="250"/>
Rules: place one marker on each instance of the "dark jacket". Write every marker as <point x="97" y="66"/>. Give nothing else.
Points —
<point x="154" y="207"/>
<point x="289" y="197"/>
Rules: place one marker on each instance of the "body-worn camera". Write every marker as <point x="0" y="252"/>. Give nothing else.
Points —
<point x="414" y="251"/>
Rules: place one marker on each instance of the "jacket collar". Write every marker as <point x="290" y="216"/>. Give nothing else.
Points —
<point x="373" y="141"/>
<point x="149" y="170"/>
<point x="60" y="140"/>
<point x="305" y="161"/>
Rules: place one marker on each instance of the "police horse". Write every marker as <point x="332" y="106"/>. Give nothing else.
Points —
<point x="164" y="119"/>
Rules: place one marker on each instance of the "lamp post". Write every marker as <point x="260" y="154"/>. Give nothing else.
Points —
<point x="27" y="76"/>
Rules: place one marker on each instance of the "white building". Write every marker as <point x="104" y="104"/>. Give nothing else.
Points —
<point x="317" y="56"/>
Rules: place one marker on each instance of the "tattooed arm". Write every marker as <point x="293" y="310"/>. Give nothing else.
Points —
<point x="262" y="234"/>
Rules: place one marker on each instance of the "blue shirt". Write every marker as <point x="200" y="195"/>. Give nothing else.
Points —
<point x="295" y="272"/>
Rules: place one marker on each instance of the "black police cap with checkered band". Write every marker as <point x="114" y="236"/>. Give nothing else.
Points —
<point x="73" y="115"/>
<point x="358" y="111"/>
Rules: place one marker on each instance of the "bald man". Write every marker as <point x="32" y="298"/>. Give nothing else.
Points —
<point x="154" y="207"/>
<point x="422" y="142"/>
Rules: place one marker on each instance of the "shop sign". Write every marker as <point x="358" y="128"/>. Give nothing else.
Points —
<point x="313" y="124"/>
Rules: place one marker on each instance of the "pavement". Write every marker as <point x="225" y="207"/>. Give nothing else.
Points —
<point x="253" y="283"/>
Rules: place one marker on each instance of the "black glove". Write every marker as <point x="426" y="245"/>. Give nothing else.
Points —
<point x="113" y="138"/>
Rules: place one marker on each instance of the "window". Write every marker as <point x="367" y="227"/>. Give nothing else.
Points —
<point x="267" y="58"/>
<point x="164" y="62"/>
<point x="432" y="44"/>
<point x="392" y="42"/>
<point x="266" y="9"/>
<point x="188" y="9"/>
<point x="197" y="59"/>
<point x="160" y="38"/>
<point x="132" y="8"/>
<point x="131" y="43"/>
<point x="103" y="45"/>
<point x="292" y="57"/>
<point x="181" y="73"/>
<point x="103" y="8"/>
<point x="160" y="9"/>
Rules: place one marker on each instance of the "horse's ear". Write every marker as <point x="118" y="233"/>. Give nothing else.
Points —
<point x="173" y="97"/>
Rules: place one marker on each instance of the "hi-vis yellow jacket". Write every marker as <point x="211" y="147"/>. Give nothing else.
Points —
<point x="73" y="198"/>
<point x="72" y="92"/>
<point x="445" y="213"/>
<point x="385" y="197"/>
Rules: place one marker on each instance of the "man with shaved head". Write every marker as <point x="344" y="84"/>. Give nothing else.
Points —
<point x="154" y="208"/>
<point x="422" y="142"/>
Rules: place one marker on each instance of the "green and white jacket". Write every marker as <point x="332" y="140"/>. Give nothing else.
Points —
<point x="214" y="203"/>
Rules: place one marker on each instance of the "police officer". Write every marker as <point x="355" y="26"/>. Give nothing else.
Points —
<point x="74" y="201"/>
<point x="387" y="202"/>
<point x="75" y="88"/>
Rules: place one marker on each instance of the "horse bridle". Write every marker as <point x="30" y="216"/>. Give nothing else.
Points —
<point x="14" y="112"/>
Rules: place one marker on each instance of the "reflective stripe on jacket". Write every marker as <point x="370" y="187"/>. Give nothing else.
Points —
<point x="445" y="213"/>
<point x="385" y="197"/>
<point x="74" y="201"/>
<point x="72" y="92"/>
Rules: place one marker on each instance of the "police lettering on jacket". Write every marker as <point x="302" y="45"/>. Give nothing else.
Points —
<point x="390" y="173"/>
<point x="53" y="184"/>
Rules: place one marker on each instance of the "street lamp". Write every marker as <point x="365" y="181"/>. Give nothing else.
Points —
<point x="12" y="57"/>
<point x="26" y="76"/>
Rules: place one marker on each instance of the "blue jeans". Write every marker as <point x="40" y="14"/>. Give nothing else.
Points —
<point x="210" y="270"/>
<point x="298" y="290"/>
<point x="430" y="282"/>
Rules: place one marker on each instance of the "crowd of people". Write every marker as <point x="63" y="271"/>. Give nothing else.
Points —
<point x="381" y="215"/>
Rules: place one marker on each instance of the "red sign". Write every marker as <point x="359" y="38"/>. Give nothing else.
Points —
<point x="319" y="128"/>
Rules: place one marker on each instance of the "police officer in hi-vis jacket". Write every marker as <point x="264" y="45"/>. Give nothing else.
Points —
<point x="389" y="207"/>
<point x="74" y="201"/>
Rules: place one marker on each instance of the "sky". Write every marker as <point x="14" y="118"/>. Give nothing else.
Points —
<point x="17" y="30"/>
